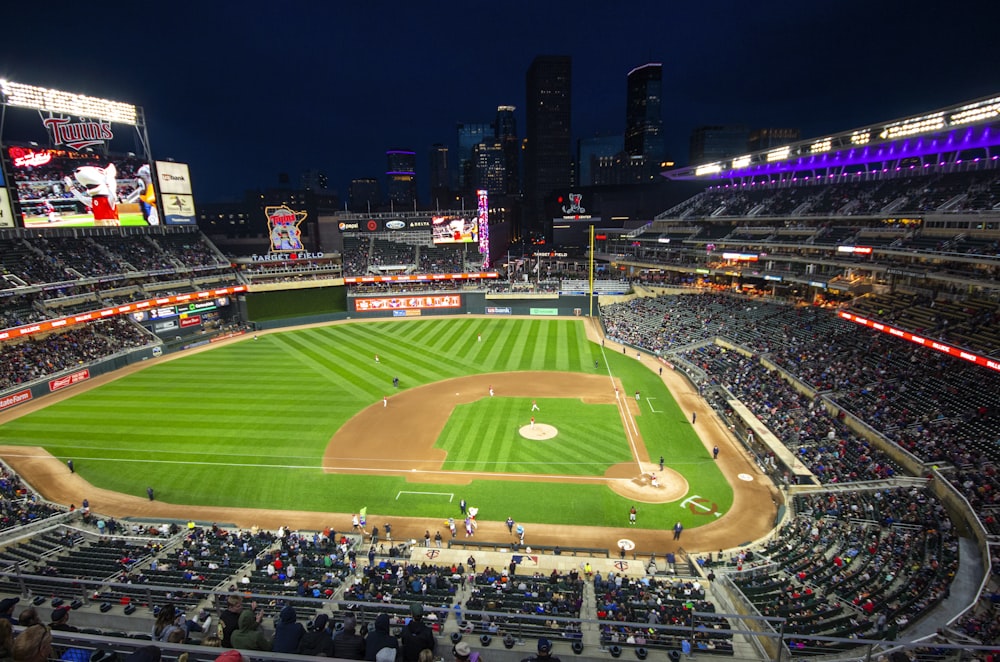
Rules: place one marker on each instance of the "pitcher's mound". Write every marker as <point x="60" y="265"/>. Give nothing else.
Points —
<point x="538" y="432"/>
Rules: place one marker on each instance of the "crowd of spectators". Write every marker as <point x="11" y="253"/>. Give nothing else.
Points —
<point x="47" y="260"/>
<point x="942" y="409"/>
<point x="18" y="504"/>
<point x="822" y="442"/>
<point x="825" y="197"/>
<point x="35" y="358"/>
<point x="628" y="606"/>
<point x="855" y="564"/>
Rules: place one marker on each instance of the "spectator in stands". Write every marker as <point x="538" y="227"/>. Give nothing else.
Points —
<point x="380" y="638"/>
<point x="60" y="620"/>
<point x="317" y="641"/>
<point x="249" y="635"/>
<point x="167" y="622"/>
<point x="7" y="609"/>
<point x="28" y="617"/>
<point x="146" y="654"/>
<point x="417" y="635"/>
<point x="6" y="639"/>
<point x="230" y="618"/>
<point x="544" y="652"/>
<point x="34" y="644"/>
<point x="463" y="653"/>
<point x="288" y="631"/>
<point x="347" y="644"/>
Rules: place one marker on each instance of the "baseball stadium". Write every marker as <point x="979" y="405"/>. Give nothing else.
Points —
<point x="762" y="425"/>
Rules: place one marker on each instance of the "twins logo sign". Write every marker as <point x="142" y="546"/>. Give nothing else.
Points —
<point x="574" y="204"/>
<point x="78" y="134"/>
<point x="283" y="228"/>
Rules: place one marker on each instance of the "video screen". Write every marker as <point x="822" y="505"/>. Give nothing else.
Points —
<point x="454" y="230"/>
<point x="65" y="188"/>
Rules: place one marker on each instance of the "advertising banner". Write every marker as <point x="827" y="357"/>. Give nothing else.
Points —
<point x="15" y="399"/>
<point x="69" y="380"/>
<point x="152" y="307"/>
<point x="175" y="189"/>
<point x="6" y="215"/>
<point x="370" y="304"/>
<point x="407" y="278"/>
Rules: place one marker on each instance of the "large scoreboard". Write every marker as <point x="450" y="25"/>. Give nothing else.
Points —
<point x="71" y="160"/>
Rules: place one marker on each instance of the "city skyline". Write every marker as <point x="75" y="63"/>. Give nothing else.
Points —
<point x="244" y="96"/>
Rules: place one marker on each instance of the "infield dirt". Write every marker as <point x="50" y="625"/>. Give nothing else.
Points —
<point x="751" y="516"/>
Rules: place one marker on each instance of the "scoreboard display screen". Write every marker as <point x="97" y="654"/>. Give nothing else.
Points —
<point x="454" y="230"/>
<point x="64" y="188"/>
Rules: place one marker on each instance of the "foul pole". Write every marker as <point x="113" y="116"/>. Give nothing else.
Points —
<point x="591" y="272"/>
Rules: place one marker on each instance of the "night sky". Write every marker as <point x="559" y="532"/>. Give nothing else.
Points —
<point x="243" y="91"/>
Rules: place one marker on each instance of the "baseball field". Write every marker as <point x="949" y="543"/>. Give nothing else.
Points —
<point x="310" y="420"/>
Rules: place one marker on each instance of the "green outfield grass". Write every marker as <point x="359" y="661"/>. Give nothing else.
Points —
<point x="247" y="424"/>
<point x="483" y="436"/>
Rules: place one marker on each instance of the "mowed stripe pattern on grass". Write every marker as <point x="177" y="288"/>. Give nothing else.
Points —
<point x="198" y="425"/>
<point x="485" y="436"/>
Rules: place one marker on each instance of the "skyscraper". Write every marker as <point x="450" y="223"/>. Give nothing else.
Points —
<point x="506" y="135"/>
<point x="440" y="176"/>
<point x="402" y="178"/>
<point x="589" y="154"/>
<point x="548" y="150"/>
<point x="643" y="118"/>
<point x="470" y="134"/>
<point x="363" y="195"/>
<point x="761" y="139"/>
<point x="488" y="157"/>
<point x="715" y="142"/>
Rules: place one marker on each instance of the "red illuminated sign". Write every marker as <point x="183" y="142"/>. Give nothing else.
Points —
<point x="924" y="342"/>
<point x="351" y="280"/>
<point x="69" y="380"/>
<point x="15" y="399"/>
<point x="190" y="320"/>
<point x="30" y="159"/>
<point x="408" y="303"/>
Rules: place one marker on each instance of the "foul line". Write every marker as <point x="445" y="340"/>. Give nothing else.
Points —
<point x="383" y="471"/>
<point x="631" y="430"/>
<point x="450" y="495"/>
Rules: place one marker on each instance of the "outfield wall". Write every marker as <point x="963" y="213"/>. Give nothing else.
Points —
<point x="266" y="307"/>
<point x="270" y="310"/>
<point x="427" y="304"/>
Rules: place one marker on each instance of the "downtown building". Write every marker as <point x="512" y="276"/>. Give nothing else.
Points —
<point x="548" y="158"/>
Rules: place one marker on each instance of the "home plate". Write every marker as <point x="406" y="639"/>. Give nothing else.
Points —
<point x="538" y="431"/>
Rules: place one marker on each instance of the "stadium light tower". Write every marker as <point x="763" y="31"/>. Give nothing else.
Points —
<point x="67" y="103"/>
